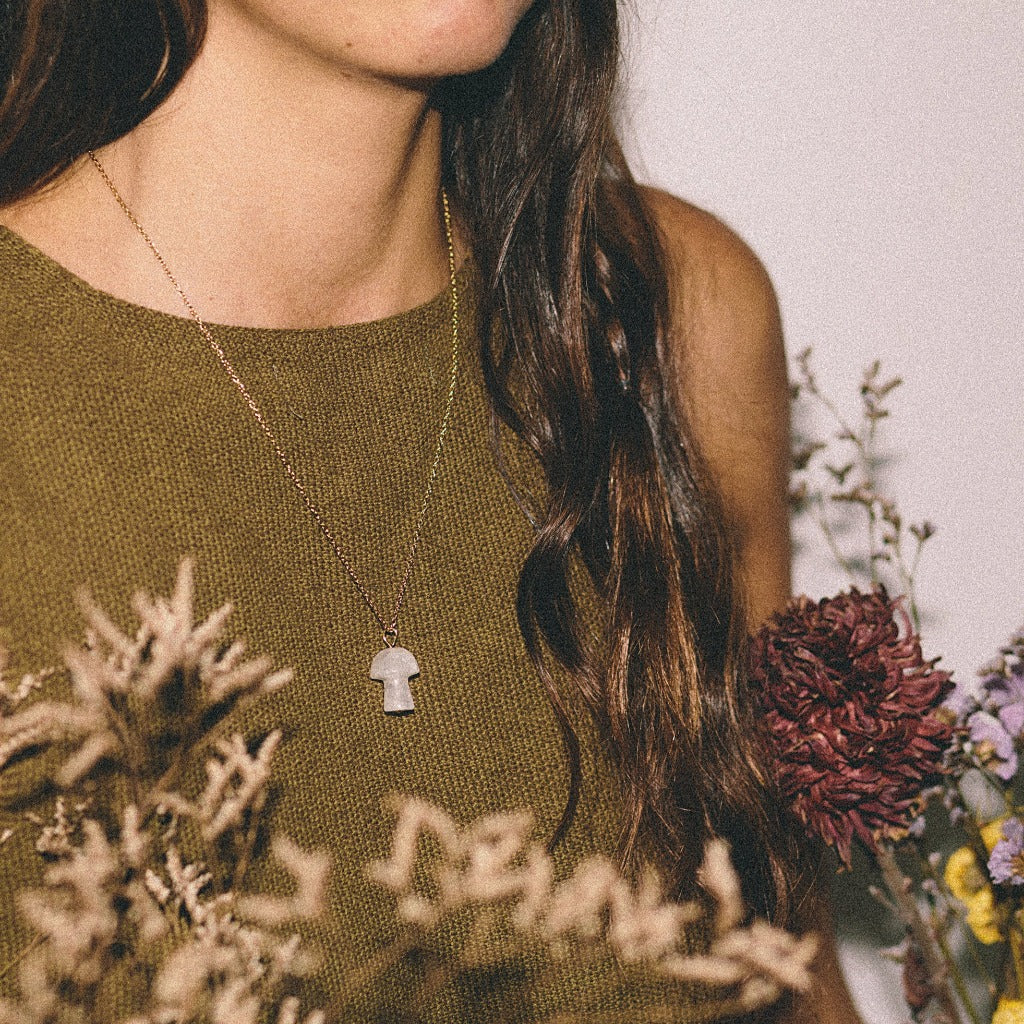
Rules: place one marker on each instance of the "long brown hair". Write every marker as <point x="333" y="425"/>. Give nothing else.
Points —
<point x="576" y="289"/>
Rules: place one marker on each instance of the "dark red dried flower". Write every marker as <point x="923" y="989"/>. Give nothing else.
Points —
<point x="849" y="708"/>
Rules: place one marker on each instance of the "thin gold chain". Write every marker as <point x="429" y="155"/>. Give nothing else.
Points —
<point x="389" y="626"/>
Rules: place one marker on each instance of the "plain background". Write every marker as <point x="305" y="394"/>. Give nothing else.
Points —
<point x="872" y="154"/>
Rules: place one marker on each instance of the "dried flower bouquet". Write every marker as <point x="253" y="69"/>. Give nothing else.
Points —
<point x="868" y="735"/>
<point x="145" y="880"/>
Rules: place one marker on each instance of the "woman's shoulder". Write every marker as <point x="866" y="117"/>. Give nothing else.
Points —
<point x="715" y="278"/>
<point x="727" y="365"/>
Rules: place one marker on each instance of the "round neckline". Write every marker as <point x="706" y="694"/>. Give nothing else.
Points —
<point x="390" y="325"/>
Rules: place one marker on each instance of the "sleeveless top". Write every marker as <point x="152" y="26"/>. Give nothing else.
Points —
<point x="124" y="446"/>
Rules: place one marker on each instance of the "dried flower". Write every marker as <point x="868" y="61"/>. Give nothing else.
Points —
<point x="850" y="709"/>
<point x="494" y="861"/>
<point x="1005" y="695"/>
<point x="111" y="893"/>
<point x="56" y="837"/>
<point x="75" y="911"/>
<point x="11" y="698"/>
<point x="289" y="1013"/>
<point x="125" y="895"/>
<point x="1006" y="863"/>
<point x="235" y="782"/>
<point x="310" y="871"/>
<point x="992" y="745"/>
<point x="49" y="722"/>
<point x="968" y="883"/>
<point x="918" y="986"/>
<point x="1009" y="1011"/>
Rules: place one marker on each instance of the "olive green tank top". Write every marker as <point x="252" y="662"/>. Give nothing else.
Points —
<point x="124" y="446"/>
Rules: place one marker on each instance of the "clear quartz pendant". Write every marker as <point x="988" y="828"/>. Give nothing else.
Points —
<point x="393" y="667"/>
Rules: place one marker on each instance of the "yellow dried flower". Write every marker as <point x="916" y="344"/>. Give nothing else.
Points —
<point x="969" y="884"/>
<point x="1009" y="1011"/>
<point x="983" y="917"/>
<point x="993" y="832"/>
<point x="963" y="875"/>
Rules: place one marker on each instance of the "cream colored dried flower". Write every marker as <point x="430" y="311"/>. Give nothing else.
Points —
<point x="416" y="818"/>
<point x="227" y="966"/>
<point x="133" y="888"/>
<point x="310" y="872"/>
<point x="56" y="836"/>
<point x="157" y="887"/>
<point x="186" y="885"/>
<point x="48" y="722"/>
<point x="144" y="910"/>
<point x="167" y="642"/>
<point x="40" y="1001"/>
<point x="116" y="677"/>
<point x="233" y="955"/>
<point x="493" y="861"/>
<point x="134" y="843"/>
<point x="719" y="878"/>
<point x="224" y="971"/>
<point x="236" y="783"/>
<point x="74" y="913"/>
<point x="29" y="683"/>
<point x="289" y="1013"/>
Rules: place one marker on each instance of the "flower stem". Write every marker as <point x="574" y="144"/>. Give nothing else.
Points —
<point x="11" y="964"/>
<point x="981" y="969"/>
<point x="358" y="978"/>
<point x="827" y="532"/>
<point x="958" y="982"/>
<point x="1017" y="955"/>
<point x="939" y="966"/>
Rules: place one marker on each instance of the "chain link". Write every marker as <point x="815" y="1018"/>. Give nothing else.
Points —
<point x="389" y="627"/>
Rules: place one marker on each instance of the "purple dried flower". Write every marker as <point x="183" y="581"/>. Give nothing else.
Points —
<point x="961" y="702"/>
<point x="1005" y="696"/>
<point x="993" y="745"/>
<point x="1006" y="864"/>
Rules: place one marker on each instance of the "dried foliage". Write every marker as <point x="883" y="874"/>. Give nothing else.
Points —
<point x="143" y="876"/>
<point x="865" y="748"/>
<point x="837" y="482"/>
<point x="143" y="708"/>
<point x="493" y="862"/>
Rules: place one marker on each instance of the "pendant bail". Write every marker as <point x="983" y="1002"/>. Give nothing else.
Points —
<point x="390" y="636"/>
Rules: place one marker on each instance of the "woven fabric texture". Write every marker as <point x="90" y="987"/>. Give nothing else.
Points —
<point x="123" y="446"/>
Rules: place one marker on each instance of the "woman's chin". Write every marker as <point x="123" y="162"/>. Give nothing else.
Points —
<point x="396" y="39"/>
<point x="462" y="36"/>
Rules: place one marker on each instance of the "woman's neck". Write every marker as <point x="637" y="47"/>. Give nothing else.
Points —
<point x="281" y="192"/>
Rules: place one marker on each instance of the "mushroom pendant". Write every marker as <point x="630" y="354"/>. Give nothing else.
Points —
<point x="393" y="667"/>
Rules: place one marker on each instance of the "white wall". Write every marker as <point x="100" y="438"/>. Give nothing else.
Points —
<point x="872" y="153"/>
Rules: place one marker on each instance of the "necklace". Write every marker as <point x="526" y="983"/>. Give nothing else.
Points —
<point x="393" y="665"/>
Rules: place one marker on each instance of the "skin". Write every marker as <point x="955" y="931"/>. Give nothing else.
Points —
<point x="302" y="150"/>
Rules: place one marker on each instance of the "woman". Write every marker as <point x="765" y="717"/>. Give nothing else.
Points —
<point x="621" y="382"/>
